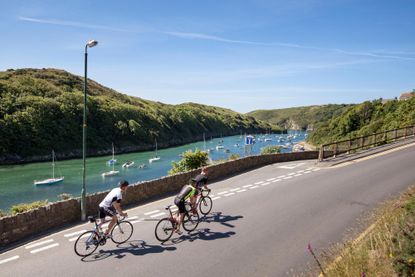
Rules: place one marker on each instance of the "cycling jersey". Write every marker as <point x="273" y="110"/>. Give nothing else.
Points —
<point x="186" y="192"/>
<point x="200" y="180"/>
<point x="114" y="195"/>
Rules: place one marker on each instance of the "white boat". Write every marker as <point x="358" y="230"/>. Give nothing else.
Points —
<point x="112" y="172"/>
<point x="220" y="147"/>
<point x="268" y="139"/>
<point x="156" y="157"/>
<point x="128" y="164"/>
<point x="53" y="180"/>
<point x="142" y="166"/>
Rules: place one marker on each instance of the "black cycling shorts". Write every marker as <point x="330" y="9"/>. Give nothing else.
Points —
<point x="104" y="211"/>
<point x="181" y="206"/>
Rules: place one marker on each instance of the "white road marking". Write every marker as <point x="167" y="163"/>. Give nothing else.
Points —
<point x="235" y="189"/>
<point x="290" y="166"/>
<point x="223" y="192"/>
<point x="265" y="184"/>
<point x="74" y="234"/>
<point x="242" y="190"/>
<point x="73" y="239"/>
<point x="306" y="172"/>
<point x="300" y="171"/>
<point x="278" y="180"/>
<point x="136" y="221"/>
<point x="254" y="187"/>
<point x="270" y="179"/>
<point x="316" y="169"/>
<point x="291" y="174"/>
<point x="229" y="194"/>
<point x="132" y="218"/>
<point x="282" y="176"/>
<point x="310" y="168"/>
<point x="217" y="197"/>
<point x="39" y="243"/>
<point x="9" y="259"/>
<point x="152" y="212"/>
<point x="289" y="177"/>
<point x="296" y="175"/>
<point x="44" y="248"/>
<point x="247" y="186"/>
<point x="156" y="215"/>
<point x="258" y="183"/>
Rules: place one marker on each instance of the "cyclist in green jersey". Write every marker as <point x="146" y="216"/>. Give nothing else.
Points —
<point x="185" y="193"/>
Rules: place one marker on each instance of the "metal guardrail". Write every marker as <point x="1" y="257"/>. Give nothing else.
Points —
<point x="332" y="150"/>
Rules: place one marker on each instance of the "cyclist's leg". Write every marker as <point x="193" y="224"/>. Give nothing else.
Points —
<point x="113" y="214"/>
<point x="181" y="212"/>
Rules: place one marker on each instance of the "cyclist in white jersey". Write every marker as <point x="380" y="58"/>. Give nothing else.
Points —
<point x="112" y="204"/>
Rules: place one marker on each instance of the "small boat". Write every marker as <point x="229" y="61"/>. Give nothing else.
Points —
<point x="112" y="172"/>
<point x="220" y="147"/>
<point x="128" y="164"/>
<point x="268" y="139"/>
<point x="53" y="180"/>
<point x="142" y="166"/>
<point x="227" y="150"/>
<point x="156" y="157"/>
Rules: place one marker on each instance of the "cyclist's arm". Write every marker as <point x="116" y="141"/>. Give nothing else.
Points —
<point x="117" y="206"/>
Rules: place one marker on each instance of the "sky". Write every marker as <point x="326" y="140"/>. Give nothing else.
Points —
<point x="239" y="54"/>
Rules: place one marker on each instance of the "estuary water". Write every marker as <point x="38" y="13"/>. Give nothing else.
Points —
<point x="16" y="182"/>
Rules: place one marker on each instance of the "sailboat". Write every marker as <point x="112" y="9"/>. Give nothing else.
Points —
<point x="112" y="172"/>
<point x="52" y="180"/>
<point x="156" y="157"/>
<point x="113" y="160"/>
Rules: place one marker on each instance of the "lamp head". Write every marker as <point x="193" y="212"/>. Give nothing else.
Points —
<point x="91" y="43"/>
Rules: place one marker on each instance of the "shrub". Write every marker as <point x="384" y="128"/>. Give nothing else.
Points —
<point x="20" y="208"/>
<point x="2" y="214"/>
<point x="65" y="196"/>
<point x="234" y="157"/>
<point x="271" y="149"/>
<point x="190" y="160"/>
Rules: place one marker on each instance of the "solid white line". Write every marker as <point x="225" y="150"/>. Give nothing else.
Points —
<point x="38" y="244"/>
<point x="223" y="192"/>
<point x="74" y="234"/>
<point x="247" y="186"/>
<point x="242" y="190"/>
<point x="9" y="259"/>
<point x="271" y="179"/>
<point x="235" y="189"/>
<point x="156" y="215"/>
<point x="152" y="212"/>
<point x="229" y="194"/>
<point x="276" y="180"/>
<point x="289" y="177"/>
<point x="265" y="184"/>
<point x="254" y="187"/>
<point x="44" y="248"/>
<point x="217" y="197"/>
<point x="296" y="175"/>
<point x="258" y="183"/>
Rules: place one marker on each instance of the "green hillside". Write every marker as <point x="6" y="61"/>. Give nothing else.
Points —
<point x="41" y="109"/>
<point x="365" y="119"/>
<point x="299" y="117"/>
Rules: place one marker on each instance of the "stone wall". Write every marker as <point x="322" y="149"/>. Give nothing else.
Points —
<point x="17" y="227"/>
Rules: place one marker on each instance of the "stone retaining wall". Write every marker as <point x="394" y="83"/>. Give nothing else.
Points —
<point x="17" y="227"/>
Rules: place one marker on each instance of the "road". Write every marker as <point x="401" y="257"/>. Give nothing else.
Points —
<point x="261" y="224"/>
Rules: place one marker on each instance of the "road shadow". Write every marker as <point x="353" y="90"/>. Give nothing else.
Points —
<point x="134" y="247"/>
<point x="220" y="218"/>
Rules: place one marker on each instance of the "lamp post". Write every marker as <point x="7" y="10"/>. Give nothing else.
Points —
<point x="90" y="43"/>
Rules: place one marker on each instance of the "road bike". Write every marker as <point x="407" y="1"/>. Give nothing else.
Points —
<point x="204" y="202"/>
<point x="166" y="226"/>
<point x="89" y="241"/>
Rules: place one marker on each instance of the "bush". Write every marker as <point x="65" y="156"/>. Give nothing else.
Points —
<point x="2" y="214"/>
<point x="190" y="160"/>
<point x="65" y="196"/>
<point x="20" y="208"/>
<point x="271" y="149"/>
<point x="234" y="157"/>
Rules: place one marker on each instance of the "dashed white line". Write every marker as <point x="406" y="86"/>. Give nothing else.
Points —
<point x="247" y="186"/>
<point x="265" y="184"/>
<point x="288" y="177"/>
<point x="217" y="197"/>
<point x="299" y="174"/>
<point x="282" y="176"/>
<point x="291" y="174"/>
<point x="74" y="234"/>
<point x="306" y="172"/>
<point x="278" y="180"/>
<point x="156" y="215"/>
<point x="316" y="169"/>
<point x="235" y="189"/>
<point x="132" y="218"/>
<point x="229" y="194"/>
<point x="242" y="190"/>
<point x="300" y="171"/>
<point x="136" y="221"/>
<point x="9" y="259"/>
<point x="73" y="239"/>
<point x="223" y="192"/>
<point x="254" y="187"/>
<point x="258" y="183"/>
<point x="39" y="243"/>
<point x="44" y="248"/>
<point x="270" y="179"/>
<point x="152" y="212"/>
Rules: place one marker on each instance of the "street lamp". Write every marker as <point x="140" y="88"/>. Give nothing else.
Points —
<point x="90" y="44"/>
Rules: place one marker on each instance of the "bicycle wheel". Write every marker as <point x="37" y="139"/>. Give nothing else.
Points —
<point x="205" y="205"/>
<point x="122" y="232"/>
<point x="164" y="229"/>
<point x="86" y="243"/>
<point x="190" y="221"/>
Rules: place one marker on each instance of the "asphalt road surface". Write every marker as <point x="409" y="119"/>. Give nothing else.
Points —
<point x="260" y="224"/>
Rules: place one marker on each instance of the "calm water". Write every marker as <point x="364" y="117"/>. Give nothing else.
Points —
<point x="16" y="182"/>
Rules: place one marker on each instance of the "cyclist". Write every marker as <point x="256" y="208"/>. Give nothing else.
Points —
<point x="185" y="193"/>
<point x="199" y="181"/>
<point x="111" y="205"/>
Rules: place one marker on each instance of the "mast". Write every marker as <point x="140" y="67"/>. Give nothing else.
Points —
<point x="204" y="142"/>
<point x="156" y="148"/>
<point x="113" y="160"/>
<point x="53" y="164"/>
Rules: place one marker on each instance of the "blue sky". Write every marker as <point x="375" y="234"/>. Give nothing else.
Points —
<point x="242" y="55"/>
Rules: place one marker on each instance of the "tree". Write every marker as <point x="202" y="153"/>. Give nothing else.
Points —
<point x="190" y="160"/>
